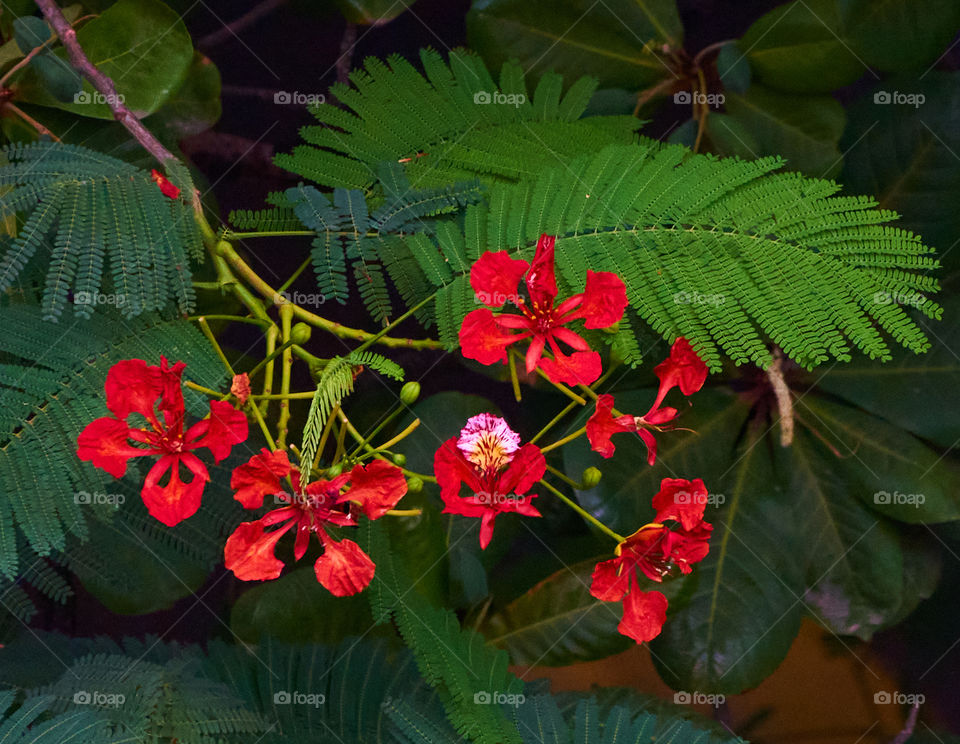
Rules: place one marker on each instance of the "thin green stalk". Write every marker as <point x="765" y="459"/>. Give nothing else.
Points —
<point x="583" y="512"/>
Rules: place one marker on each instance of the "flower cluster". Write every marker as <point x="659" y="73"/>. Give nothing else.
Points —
<point x="677" y="538"/>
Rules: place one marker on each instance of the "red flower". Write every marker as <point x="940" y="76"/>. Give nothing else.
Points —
<point x="134" y="387"/>
<point x="485" y="336"/>
<point x="684" y="368"/>
<point x="240" y="387"/>
<point x="166" y="187"/>
<point x="343" y="568"/>
<point x="488" y="458"/>
<point x="656" y="550"/>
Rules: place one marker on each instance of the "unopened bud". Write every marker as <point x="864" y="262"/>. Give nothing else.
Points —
<point x="414" y="485"/>
<point x="409" y="393"/>
<point x="591" y="477"/>
<point x="400" y="459"/>
<point x="300" y="334"/>
<point x="334" y="470"/>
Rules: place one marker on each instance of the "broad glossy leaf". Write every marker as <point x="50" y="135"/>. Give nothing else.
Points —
<point x="142" y="45"/>
<point x="194" y="107"/>
<point x="30" y="32"/>
<point x="614" y="41"/>
<point x="733" y="67"/>
<point x="799" y="47"/>
<point x="904" y="152"/>
<point x="61" y="79"/>
<point x="899" y="35"/>
<point x="728" y="137"/>
<point x="805" y="130"/>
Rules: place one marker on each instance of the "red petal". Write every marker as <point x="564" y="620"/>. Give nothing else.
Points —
<point x="495" y="276"/>
<point x="604" y="299"/>
<point x="683" y="367"/>
<point x="166" y="187"/>
<point x="177" y="500"/>
<point x="602" y="425"/>
<point x="259" y="476"/>
<point x="580" y="368"/>
<point x="541" y="279"/>
<point x="249" y="552"/>
<point x="644" y="614"/>
<point x="481" y="338"/>
<point x="377" y="487"/>
<point x="344" y="569"/>
<point x="171" y="391"/>
<point x="486" y="528"/>
<point x="571" y="339"/>
<point x="452" y="471"/>
<point x="534" y="352"/>
<point x="611" y="579"/>
<point x="104" y="443"/>
<point x="526" y="468"/>
<point x="651" y="443"/>
<point x="225" y="427"/>
<point x="133" y="387"/>
<point x="681" y="500"/>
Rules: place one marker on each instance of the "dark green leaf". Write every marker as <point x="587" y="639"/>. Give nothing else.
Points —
<point x="733" y="67"/>
<point x="369" y="12"/>
<point x="61" y="79"/>
<point x="616" y="41"/>
<point x="727" y="136"/>
<point x="29" y="32"/>
<point x="194" y="107"/>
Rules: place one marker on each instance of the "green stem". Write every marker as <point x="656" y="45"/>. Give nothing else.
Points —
<point x="231" y="235"/>
<point x="566" y="479"/>
<point x="295" y="274"/>
<point x="565" y="440"/>
<point x="583" y="512"/>
<point x="555" y="420"/>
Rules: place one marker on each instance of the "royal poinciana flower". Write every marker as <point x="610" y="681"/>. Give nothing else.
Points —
<point x="166" y="186"/>
<point x="656" y="550"/>
<point x="682" y="368"/>
<point x="485" y="336"/>
<point x="344" y="568"/>
<point x="488" y="459"/>
<point x="133" y="387"/>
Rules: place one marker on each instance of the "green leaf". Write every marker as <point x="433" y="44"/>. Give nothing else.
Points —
<point x="615" y="41"/>
<point x="805" y="130"/>
<point x="733" y="67"/>
<point x="142" y="45"/>
<point x="29" y="32"/>
<point x="900" y="35"/>
<point x="370" y="12"/>
<point x="61" y="79"/>
<point x="728" y="137"/>
<point x="558" y="622"/>
<point x="799" y="47"/>
<point x="194" y="107"/>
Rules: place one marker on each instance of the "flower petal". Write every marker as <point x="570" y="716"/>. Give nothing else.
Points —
<point x="526" y="468"/>
<point x="604" y="300"/>
<point x="249" y="551"/>
<point x="541" y="279"/>
<point x="377" y="487"/>
<point x="171" y="393"/>
<point x="259" y="476"/>
<point x="177" y="500"/>
<point x="452" y="470"/>
<point x="133" y="387"/>
<point x="651" y="443"/>
<point x="104" y="443"/>
<point x="611" y="579"/>
<point x="481" y="338"/>
<point x="495" y="276"/>
<point x="681" y="500"/>
<point x="602" y="425"/>
<point x="683" y="367"/>
<point x="486" y="528"/>
<point x="240" y="387"/>
<point x="223" y="428"/>
<point x="344" y="569"/>
<point x="580" y="368"/>
<point x="644" y="614"/>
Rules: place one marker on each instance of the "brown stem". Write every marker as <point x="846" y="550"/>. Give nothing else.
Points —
<point x="101" y="83"/>
<point x="782" y="393"/>
<point x="230" y="29"/>
<point x="31" y="121"/>
<point x="908" y="727"/>
<point x="346" y="52"/>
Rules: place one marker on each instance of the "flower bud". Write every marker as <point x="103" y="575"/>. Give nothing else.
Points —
<point x="409" y="393"/>
<point x="300" y="334"/>
<point x="334" y="470"/>
<point x="400" y="459"/>
<point x="414" y="485"/>
<point x="591" y="477"/>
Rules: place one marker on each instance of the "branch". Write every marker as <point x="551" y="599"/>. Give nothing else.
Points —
<point x="101" y="83"/>
<point x="908" y="727"/>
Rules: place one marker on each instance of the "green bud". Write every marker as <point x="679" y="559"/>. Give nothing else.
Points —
<point x="612" y="328"/>
<point x="414" y="485"/>
<point x="334" y="470"/>
<point x="400" y="459"/>
<point x="409" y="393"/>
<point x="591" y="477"/>
<point x="300" y="334"/>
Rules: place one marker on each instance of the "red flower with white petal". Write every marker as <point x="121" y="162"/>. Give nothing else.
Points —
<point x="682" y="368"/>
<point x="133" y="387"/>
<point x="494" y="278"/>
<point x="656" y="551"/>
<point x="343" y="568"/>
<point x="488" y="459"/>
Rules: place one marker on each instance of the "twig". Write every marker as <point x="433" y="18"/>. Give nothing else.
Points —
<point x="101" y="83"/>
<point x="30" y="120"/>
<point x="230" y="29"/>
<point x="782" y="392"/>
<point x="346" y="53"/>
<point x="908" y="727"/>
